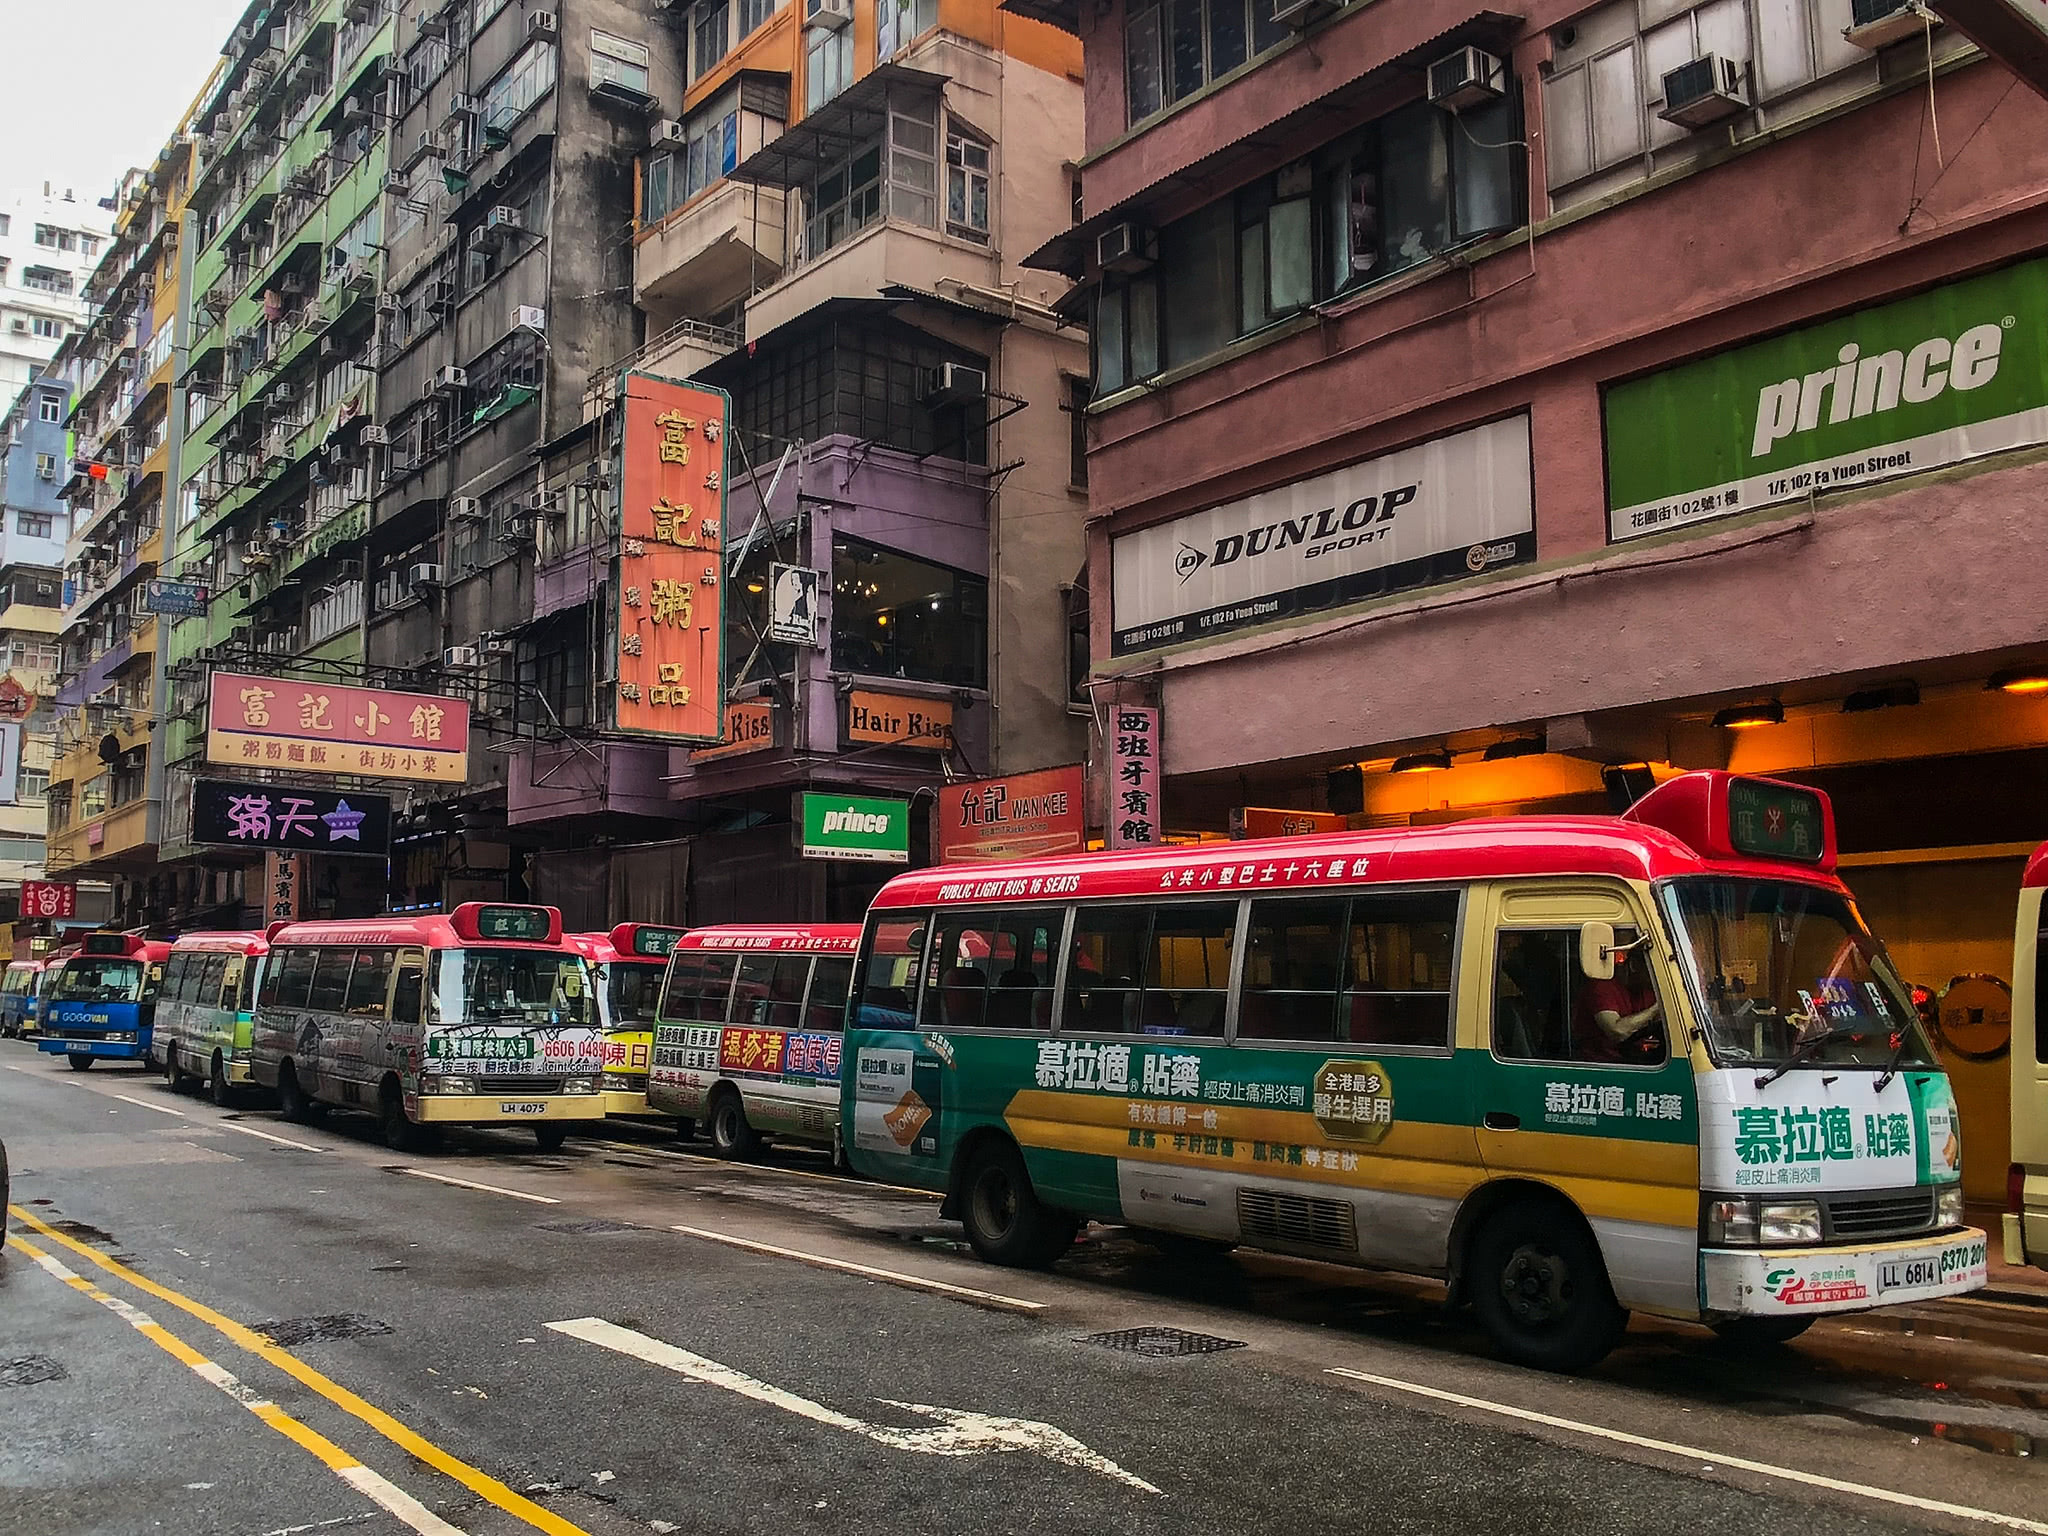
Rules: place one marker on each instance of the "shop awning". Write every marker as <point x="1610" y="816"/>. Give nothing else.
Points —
<point x="1064" y="14"/>
<point x="858" y="115"/>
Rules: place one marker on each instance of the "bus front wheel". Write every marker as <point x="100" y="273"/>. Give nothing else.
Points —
<point x="732" y="1137"/>
<point x="1006" y="1223"/>
<point x="1540" y="1289"/>
<point x="400" y="1134"/>
<point x="80" y="1063"/>
<point x="551" y="1137"/>
<point x="1761" y="1333"/>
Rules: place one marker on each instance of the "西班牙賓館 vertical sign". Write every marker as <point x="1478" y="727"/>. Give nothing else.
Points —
<point x="1954" y="373"/>
<point x="670" y="660"/>
<point x="1133" y="815"/>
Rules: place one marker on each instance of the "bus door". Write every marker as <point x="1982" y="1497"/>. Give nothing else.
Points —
<point x="1580" y="1088"/>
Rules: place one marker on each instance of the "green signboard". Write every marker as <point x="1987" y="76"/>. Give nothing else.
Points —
<point x="851" y="827"/>
<point x="532" y="925"/>
<point x="1951" y="374"/>
<point x="1776" y="821"/>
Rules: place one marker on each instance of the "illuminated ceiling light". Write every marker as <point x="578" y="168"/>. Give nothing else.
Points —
<point x="1747" y="717"/>
<point x="1881" y="696"/>
<point x="2020" y="680"/>
<point x="756" y="587"/>
<point x="1514" y="746"/>
<point x="1422" y="762"/>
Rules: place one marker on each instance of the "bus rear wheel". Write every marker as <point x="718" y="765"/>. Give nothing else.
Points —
<point x="174" y="1077"/>
<point x="80" y="1063"/>
<point x="732" y="1137"/>
<point x="1540" y="1289"/>
<point x="1006" y="1223"/>
<point x="218" y="1088"/>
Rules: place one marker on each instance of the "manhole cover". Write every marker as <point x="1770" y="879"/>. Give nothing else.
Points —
<point x="589" y="1228"/>
<point x="294" y="1331"/>
<point x="1160" y="1343"/>
<point x="28" y="1370"/>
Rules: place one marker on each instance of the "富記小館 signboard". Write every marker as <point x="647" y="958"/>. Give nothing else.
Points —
<point x="319" y="728"/>
<point x="1451" y="507"/>
<point x="1951" y="374"/>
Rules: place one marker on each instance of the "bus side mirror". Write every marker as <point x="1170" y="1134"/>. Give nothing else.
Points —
<point x="1596" y="951"/>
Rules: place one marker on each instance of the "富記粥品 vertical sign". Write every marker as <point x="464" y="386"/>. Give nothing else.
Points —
<point x="670" y="662"/>
<point x="1133" y="815"/>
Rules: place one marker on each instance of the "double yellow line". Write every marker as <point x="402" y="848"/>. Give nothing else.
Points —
<point x="337" y="1460"/>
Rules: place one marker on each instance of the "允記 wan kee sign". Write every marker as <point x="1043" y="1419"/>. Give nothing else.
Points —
<point x="670" y="662"/>
<point x="316" y="728"/>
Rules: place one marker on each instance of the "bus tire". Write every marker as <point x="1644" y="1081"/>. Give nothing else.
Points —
<point x="551" y="1137"/>
<point x="218" y="1089"/>
<point x="173" y="1078"/>
<point x="80" y="1063"/>
<point x="1006" y="1223"/>
<point x="400" y="1134"/>
<point x="1761" y="1333"/>
<point x="732" y="1138"/>
<point x="1537" y="1281"/>
<point x="291" y="1098"/>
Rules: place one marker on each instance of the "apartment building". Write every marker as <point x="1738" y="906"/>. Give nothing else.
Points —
<point x="49" y="242"/>
<point x="1496" y="412"/>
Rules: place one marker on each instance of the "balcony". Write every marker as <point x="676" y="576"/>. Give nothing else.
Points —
<point x="118" y="840"/>
<point x="887" y="254"/>
<point x="714" y="250"/>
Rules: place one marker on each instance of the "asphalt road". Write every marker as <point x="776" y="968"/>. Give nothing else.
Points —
<point x="208" y="1330"/>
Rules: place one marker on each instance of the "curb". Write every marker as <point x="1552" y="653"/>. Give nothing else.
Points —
<point x="2026" y="1296"/>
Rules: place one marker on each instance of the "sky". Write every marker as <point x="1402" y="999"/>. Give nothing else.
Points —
<point x="93" y="87"/>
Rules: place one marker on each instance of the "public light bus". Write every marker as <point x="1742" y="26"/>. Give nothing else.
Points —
<point x="747" y="1034"/>
<point x="1577" y="1066"/>
<point x="629" y="963"/>
<point x="18" y="991"/>
<point x="484" y="1016"/>
<point x="206" y="1011"/>
<point x="102" y="1002"/>
<point x="2026" y="1181"/>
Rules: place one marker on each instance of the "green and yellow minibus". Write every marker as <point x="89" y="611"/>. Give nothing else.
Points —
<point x="206" y="1010"/>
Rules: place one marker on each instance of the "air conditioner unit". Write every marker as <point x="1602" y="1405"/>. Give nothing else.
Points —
<point x="954" y="384"/>
<point x="543" y="24"/>
<point x="1704" y="91"/>
<point x="1875" y="24"/>
<point x="387" y="303"/>
<point x="828" y="13"/>
<point x="284" y="394"/>
<point x="452" y="377"/>
<point x="428" y="575"/>
<point x="1471" y="77"/>
<point x="482" y="238"/>
<point x="1299" y="13"/>
<point x="397" y="185"/>
<point x="504" y="217"/>
<point x="375" y="436"/>
<point x="667" y="131"/>
<point x="465" y="509"/>
<point x="462" y="657"/>
<point x="1126" y="248"/>
<point x="529" y="317"/>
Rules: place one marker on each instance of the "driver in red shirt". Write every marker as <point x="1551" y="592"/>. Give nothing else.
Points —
<point x="1606" y="1013"/>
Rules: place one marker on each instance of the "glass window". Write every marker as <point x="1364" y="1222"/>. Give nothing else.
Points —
<point x="913" y="163"/>
<point x="710" y="35"/>
<point x="828" y="64"/>
<point x="1293" y="967"/>
<point x="408" y="995"/>
<point x="1197" y="255"/>
<point x="967" y="169"/>
<point x="657" y="183"/>
<point x="368" y="981"/>
<point x="174" y="974"/>
<point x="619" y="61"/>
<point x="754" y="14"/>
<point x="330" y="981"/>
<point x="698" y="985"/>
<point x="825" y="1007"/>
<point x="894" y="615"/>
<point x="98" y="979"/>
<point x="889" y="963"/>
<point x="289" y="979"/>
<point x="522" y="83"/>
<point x="771" y="990"/>
<point x="232" y="977"/>
<point x="898" y="23"/>
<point x="1397" y="969"/>
<point x="1144" y="78"/>
<point x="993" y="970"/>
<point x="530" y="988"/>
<point x="632" y="987"/>
<point x="1150" y="970"/>
<point x="1546" y="1009"/>
<point x="207" y="979"/>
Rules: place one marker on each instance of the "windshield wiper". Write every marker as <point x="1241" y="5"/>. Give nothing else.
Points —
<point x="1891" y="1066"/>
<point x="1801" y="1051"/>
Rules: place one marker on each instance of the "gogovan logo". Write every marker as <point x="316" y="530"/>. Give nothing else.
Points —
<point x="1860" y="385"/>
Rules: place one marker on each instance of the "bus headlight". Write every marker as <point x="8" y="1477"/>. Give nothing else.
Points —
<point x="617" y="1082"/>
<point x="435" y="1083"/>
<point x="579" y="1085"/>
<point x="1948" y="1206"/>
<point x="1731" y="1223"/>
<point x="1788" y="1222"/>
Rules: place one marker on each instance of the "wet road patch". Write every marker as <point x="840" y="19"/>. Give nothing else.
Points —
<point x="292" y="1332"/>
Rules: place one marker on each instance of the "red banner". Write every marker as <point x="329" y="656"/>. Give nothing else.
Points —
<point x="273" y="722"/>
<point x="1024" y="816"/>
<point x="671" y="603"/>
<point x="45" y="898"/>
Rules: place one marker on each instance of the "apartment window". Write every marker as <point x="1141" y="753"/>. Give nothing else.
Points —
<point x="88" y="247"/>
<point x="333" y="611"/>
<point x="1126" y="332"/>
<point x="710" y="151"/>
<point x="1172" y="48"/>
<point x="828" y="64"/>
<point x="46" y="279"/>
<point x="522" y="83"/>
<point x="35" y="785"/>
<point x="898" y="23"/>
<point x="35" y="525"/>
<point x="49" y="406"/>
<point x="1075" y="404"/>
<point x="506" y="377"/>
<point x="710" y="35"/>
<point x="617" y="61"/>
<point x="51" y="238"/>
<point x="483" y="12"/>
<point x="754" y="14"/>
<point x="50" y="330"/>
<point x="966" y="186"/>
<point x="845" y="200"/>
<point x="424" y="61"/>
<point x="894" y="615"/>
<point x="6" y="224"/>
<point x="1076" y="596"/>
<point x="46" y="466"/>
<point x="913" y="162"/>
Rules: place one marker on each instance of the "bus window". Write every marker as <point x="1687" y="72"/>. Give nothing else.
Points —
<point x="330" y="981"/>
<point x="1292" y="965"/>
<point x="825" y="1011"/>
<point x="255" y="973"/>
<point x="1397" y="969"/>
<point x="174" y="977"/>
<point x="993" y="971"/>
<point x="98" y="979"/>
<point x="411" y="990"/>
<point x="366" y="983"/>
<point x="955" y="991"/>
<point x="1187" y="973"/>
<point x="531" y="988"/>
<point x="1545" y="1008"/>
<point x="888" y="986"/>
<point x="699" y="984"/>
<point x="207" y="992"/>
<point x="1108" y="968"/>
<point x="230" y="989"/>
<point x="291" y="977"/>
<point x="770" y="989"/>
<point x="633" y="986"/>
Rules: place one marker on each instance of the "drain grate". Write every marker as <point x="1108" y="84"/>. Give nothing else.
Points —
<point x="31" y="1370"/>
<point x="1162" y="1343"/>
<point x="294" y="1331"/>
<point x="590" y="1228"/>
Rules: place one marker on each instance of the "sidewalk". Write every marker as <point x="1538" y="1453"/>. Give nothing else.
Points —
<point x="2023" y="1283"/>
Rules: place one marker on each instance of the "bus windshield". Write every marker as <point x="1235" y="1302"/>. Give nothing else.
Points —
<point x="530" y="988"/>
<point x="633" y="988"/>
<point x="98" y="979"/>
<point x="1780" y="968"/>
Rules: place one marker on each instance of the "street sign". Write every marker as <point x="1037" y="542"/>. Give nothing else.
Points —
<point x="793" y="604"/>
<point x="46" y="898"/>
<point x="287" y="816"/>
<point x="1024" y="816"/>
<point x="854" y="828"/>
<point x="319" y="728"/>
